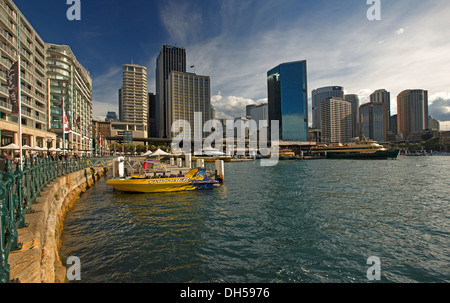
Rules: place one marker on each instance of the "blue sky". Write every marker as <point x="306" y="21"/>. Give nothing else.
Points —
<point x="236" y="42"/>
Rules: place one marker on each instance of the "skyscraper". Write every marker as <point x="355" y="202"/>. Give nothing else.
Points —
<point x="134" y="95"/>
<point x="321" y="94"/>
<point x="336" y="120"/>
<point x="412" y="112"/>
<point x="354" y="100"/>
<point x="288" y="100"/>
<point x="187" y="94"/>
<point x="152" y="113"/>
<point x="170" y="58"/>
<point x="383" y="97"/>
<point x="372" y="121"/>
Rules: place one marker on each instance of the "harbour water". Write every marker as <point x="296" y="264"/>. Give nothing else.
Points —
<point x="297" y="222"/>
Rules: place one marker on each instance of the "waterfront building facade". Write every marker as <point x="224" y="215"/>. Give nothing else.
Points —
<point x="336" y="120"/>
<point x="372" y="121"/>
<point x="288" y="100"/>
<point x="412" y="112"/>
<point x="319" y="95"/>
<point x="188" y="93"/>
<point x="131" y="133"/>
<point x="170" y="58"/>
<point x="17" y="36"/>
<point x="134" y="95"/>
<point x="354" y="101"/>
<point x="70" y="85"/>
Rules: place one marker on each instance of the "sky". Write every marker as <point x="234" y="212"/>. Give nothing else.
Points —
<point x="236" y="42"/>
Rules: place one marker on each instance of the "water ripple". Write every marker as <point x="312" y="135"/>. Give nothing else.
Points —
<point x="305" y="221"/>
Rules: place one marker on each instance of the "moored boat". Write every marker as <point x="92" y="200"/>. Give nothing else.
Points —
<point x="368" y="149"/>
<point x="196" y="179"/>
<point x="211" y="155"/>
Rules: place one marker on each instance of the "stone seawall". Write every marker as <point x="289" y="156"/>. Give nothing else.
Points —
<point x="39" y="261"/>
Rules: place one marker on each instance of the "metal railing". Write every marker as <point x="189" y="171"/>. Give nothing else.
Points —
<point x="18" y="192"/>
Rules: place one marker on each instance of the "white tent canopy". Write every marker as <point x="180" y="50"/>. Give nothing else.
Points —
<point x="147" y="153"/>
<point x="11" y="146"/>
<point x="160" y="152"/>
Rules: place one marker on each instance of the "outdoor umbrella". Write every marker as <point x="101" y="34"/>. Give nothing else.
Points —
<point x="147" y="153"/>
<point x="160" y="152"/>
<point x="11" y="146"/>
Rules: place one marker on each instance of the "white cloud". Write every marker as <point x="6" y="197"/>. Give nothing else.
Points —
<point x="400" y="31"/>
<point x="231" y="107"/>
<point x="349" y="51"/>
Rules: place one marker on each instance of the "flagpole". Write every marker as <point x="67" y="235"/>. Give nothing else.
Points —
<point x="20" y="116"/>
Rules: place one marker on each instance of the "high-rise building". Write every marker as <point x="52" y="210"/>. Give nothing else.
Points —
<point x="260" y="113"/>
<point x="134" y="96"/>
<point x="170" y="58"/>
<point x="319" y="95"/>
<point x="152" y="113"/>
<point x="187" y="94"/>
<point x="17" y="36"/>
<point x="336" y="120"/>
<point x="69" y="84"/>
<point x="383" y="97"/>
<point x="372" y="121"/>
<point x="248" y="109"/>
<point x="354" y="100"/>
<point x="412" y="112"/>
<point x="288" y="100"/>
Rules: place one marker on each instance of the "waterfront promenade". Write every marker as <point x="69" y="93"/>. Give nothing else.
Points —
<point x="33" y="206"/>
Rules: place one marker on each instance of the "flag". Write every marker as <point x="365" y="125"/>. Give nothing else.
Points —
<point x="12" y="76"/>
<point x="66" y="122"/>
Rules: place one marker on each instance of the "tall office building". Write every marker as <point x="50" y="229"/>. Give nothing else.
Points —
<point x="412" y="112"/>
<point x="383" y="97"/>
<point x="354" y="100"/>
<point x="170" y="58"/>
<point x="319" y="95"/>
<point x="69" y="84"/>
<point x="134" y="96"/>
<point x="187" y="94"/>
<point x="17" y="36"/>
<point x="288" y="100"/>
<point x="336" y="120"/>
<point x="152" y="113"/>
<point x="373" y="122"/>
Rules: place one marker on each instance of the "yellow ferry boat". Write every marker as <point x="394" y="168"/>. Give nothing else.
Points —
<point x="196" y="179"/>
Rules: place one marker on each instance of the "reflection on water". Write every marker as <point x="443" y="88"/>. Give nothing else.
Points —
<point x="301" y="221"/>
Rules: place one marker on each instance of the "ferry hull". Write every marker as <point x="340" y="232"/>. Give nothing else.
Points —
<point x="379" y="155"/>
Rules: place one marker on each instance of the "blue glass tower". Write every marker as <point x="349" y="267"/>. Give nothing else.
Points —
<point x="288" y="100"/>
